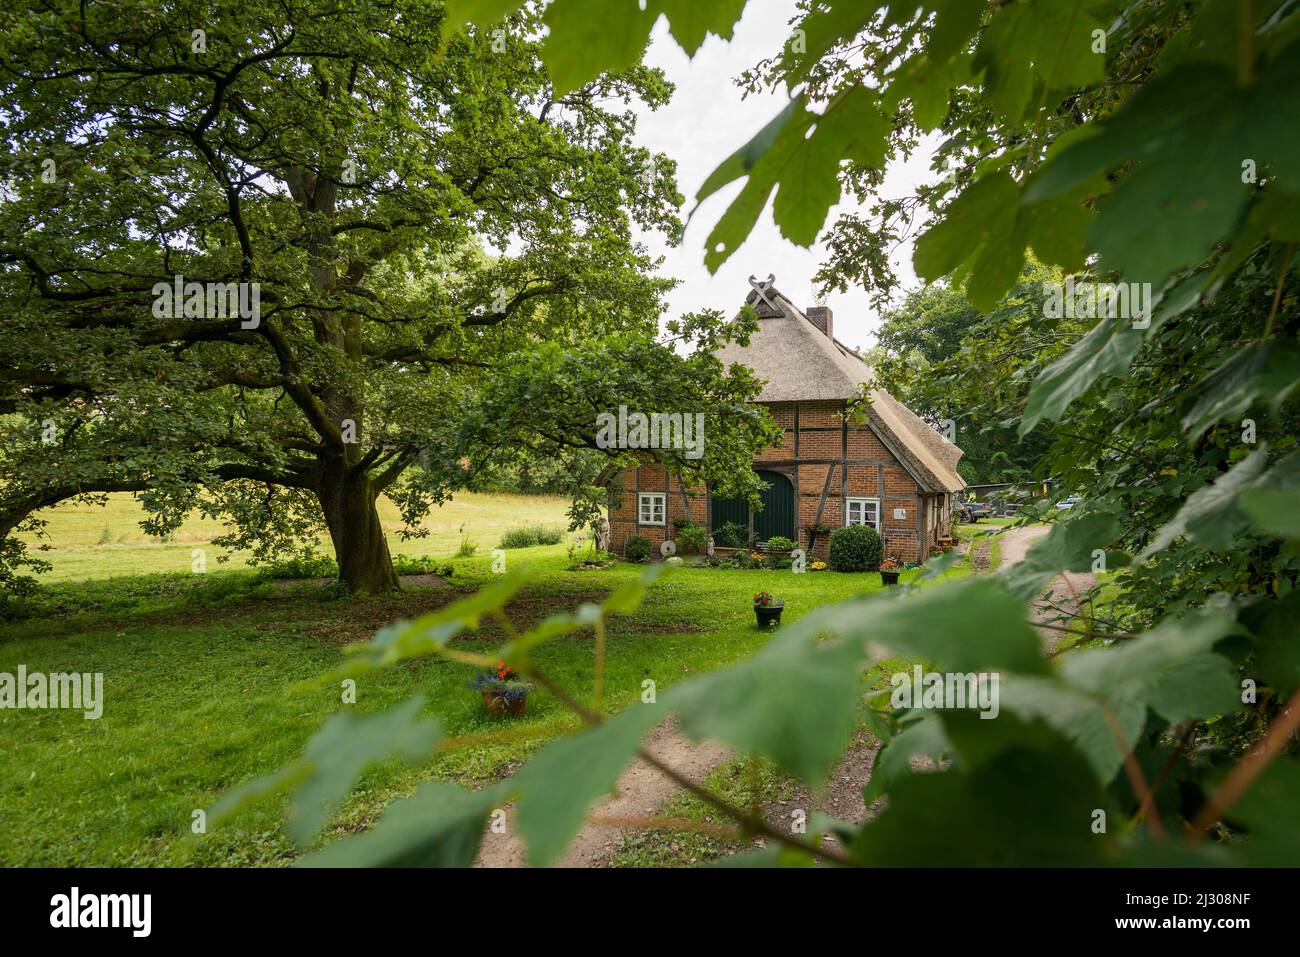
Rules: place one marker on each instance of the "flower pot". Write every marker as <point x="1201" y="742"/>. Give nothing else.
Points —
<point x="498" y="705"/>
<point x="889" y="578"/>
<point x="768" y="615"/>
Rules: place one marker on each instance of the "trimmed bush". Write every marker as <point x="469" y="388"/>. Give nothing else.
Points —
<point x="636" y="548"/>
<point x="531" y="535"/>
<point x="856" y="548"/>
<point x="779" y="543"/>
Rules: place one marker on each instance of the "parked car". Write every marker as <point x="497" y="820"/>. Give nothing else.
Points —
<point x="974" y="511"/>
<point x="1068" y="502"/>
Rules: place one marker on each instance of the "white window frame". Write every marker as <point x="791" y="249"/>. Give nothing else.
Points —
<point x="646" y="504"/>
<point x="863" y="502"/>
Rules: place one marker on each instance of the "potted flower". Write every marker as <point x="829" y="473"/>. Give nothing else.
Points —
<point x="889" y="570"/>
<point x="818" y="566"/>
<point x="767" y="609"/>
<point x="503" y="692"/>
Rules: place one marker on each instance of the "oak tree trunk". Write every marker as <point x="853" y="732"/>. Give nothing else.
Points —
<point x="352" y="517"/>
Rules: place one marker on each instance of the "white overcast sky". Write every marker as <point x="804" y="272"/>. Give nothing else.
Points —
<point x="704" y="123"/>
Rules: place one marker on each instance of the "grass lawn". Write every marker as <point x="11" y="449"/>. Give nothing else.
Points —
<point x="198" y="672"/>
<point x="93" y="541"/>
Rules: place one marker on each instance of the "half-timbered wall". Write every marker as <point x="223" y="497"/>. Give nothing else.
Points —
<point x="829" y="462"/>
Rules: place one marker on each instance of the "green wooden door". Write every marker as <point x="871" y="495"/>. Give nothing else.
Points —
<point x="729" y="510"/>
<point x="777" y="516"/>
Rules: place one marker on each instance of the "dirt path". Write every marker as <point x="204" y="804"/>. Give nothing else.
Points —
<point x="641" y="792"/>
<point x="1067" y="585"/>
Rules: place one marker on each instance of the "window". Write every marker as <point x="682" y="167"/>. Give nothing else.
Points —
<point x="650" y="508"/>
<point x="862" y="511"/>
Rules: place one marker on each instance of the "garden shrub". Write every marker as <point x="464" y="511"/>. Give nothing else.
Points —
<point x="324" y="566"/>
<point x="313" y="565"/>
<point x="731" y="535"/>
<point x="856" y="548"/>
<point x="692" y="537"/>
<point x="779" y="543"/>
<point x="422" y="565"/>
<point x="743" y="559"/>
<point x="637" y="548"/>
<point x="530" y="535"/>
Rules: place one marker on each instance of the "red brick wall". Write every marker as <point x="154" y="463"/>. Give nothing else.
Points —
<point x="808" y="455"/>
<point x="653" y="478"/>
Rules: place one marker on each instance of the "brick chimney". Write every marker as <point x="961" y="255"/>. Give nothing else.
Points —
<point x="821" y="316"/>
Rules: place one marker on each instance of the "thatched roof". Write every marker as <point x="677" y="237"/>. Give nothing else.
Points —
<point x="794" y="358"/>
<point x="931" y="458"/>
<point x="799" y="363"/>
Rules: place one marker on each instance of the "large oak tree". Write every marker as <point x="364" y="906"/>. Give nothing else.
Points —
<point x="423" y="217"/>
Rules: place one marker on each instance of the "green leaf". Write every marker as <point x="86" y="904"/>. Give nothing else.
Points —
<point x="1044" y="44"/>
<point x="1024" y="806"/>
<point x="1260" y="370"/>
<point x="1195" y="689"/>
<point x="973" y="625"/>
<point x="1056" y="230"/>
<point x="257" y="789"/>
<point x="586" y="40"/>
<point x="690" y="21"/>
<point x="1078" y="717"/>
<point x="344" y="747"/>
<point x="1273" y="511"/>
<point x="830" y="25"/>
<point x="984" y="213"/>
<point x="1170" y="669"/>
<point x="1270" y="810"/>
<point x="795" y="702"/>
<point x="560" y="783"/>
<point x="803" y="167"/>
<point x="955" y="23"/>
<point x="928" y="83"/>
<point x="550" y="628"/>
<point x="924" y="737"/>
<point x="627" y="597"/>
<point x="739" y="163"/>
<point x="1107" y="350"/>
<point x="430" y="633"/>
<point x="773" y="855"/>
<point x="441" y="825"/>
<point x="1210" y="514"/>
<point x="480" y="12"/>
<point x="1190" y="131"/>
<point x="335" y="756"/>
<point x="827" y="26"/>
<point x="1067" y="547"/>
<point x="808" y="181"/>
<point x="1277" y="648"/>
